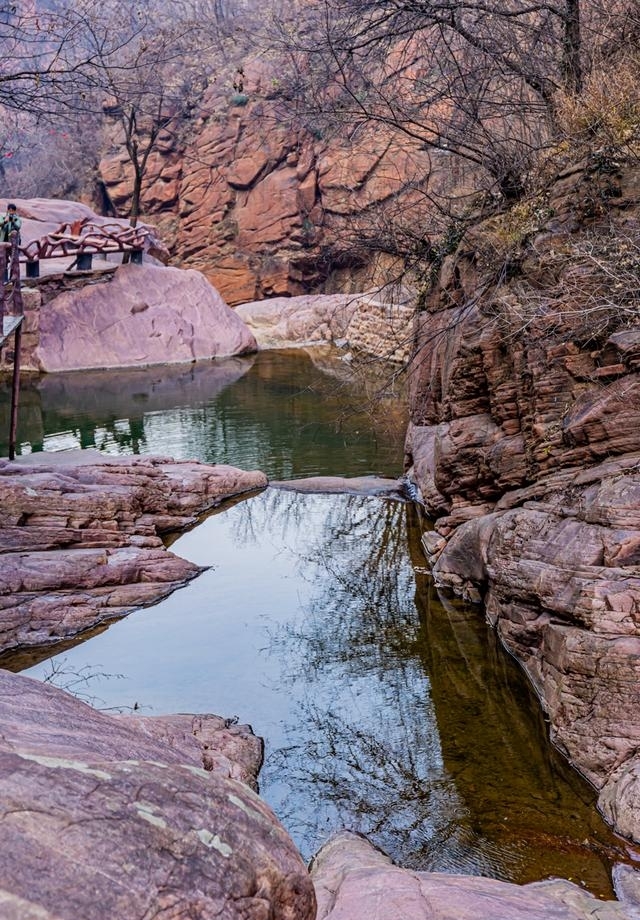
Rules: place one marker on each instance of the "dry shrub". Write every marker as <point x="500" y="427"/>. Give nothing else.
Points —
<point x="607" y="109"/>
<point x="595" y="291"/>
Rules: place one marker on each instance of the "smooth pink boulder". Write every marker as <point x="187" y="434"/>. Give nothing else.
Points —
<point x="355" y="881"/>
<point x="146" y="314"/>
<point x="105" y="817"/>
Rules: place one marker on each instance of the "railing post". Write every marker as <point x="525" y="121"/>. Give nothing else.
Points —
<point x="14" y="274"/>
<point x="3" y="279"/>
<point x="15" y="390"/>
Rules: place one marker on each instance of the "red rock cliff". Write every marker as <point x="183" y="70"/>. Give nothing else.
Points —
<point x="263" y="210"/>
<point x="525" y="442"/>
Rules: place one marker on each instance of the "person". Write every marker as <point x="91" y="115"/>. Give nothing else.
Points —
<point x="10" y="222"/>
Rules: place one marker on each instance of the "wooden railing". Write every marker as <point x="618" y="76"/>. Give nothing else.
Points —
<point x="83" y="239"/>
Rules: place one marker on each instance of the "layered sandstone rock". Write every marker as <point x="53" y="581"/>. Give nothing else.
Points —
<point x="354" y="881"/>
<point x="129" y="817"/>
<point x="369" y="325"/>
<point x="42" y="721"/>
<point x="285" y="322"/>
<point x="266" y="210"/>
<point x="521" y="392"/>
<point x="81" y="544"/>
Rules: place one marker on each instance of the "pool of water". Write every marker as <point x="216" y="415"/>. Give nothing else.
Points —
<point x="295" y="413"/>
<point x="385" y="708"/>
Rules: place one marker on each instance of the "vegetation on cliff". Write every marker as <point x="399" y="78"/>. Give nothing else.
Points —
<point x="289" y="147"/>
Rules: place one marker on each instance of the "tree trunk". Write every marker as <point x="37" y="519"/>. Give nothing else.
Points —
<point x="571" y="65"/>
<point x="135" y="198"/>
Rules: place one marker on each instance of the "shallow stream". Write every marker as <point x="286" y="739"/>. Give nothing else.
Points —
<point x="385" y="708"/>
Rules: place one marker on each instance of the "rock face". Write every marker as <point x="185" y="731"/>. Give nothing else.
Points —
<point x="144" y="315"/>
<point x="80" y="544"/>
<point x="264" y="210"/>
<point x="367" y="324"/>
<point x="354" y="881"/>
<point x="120" y="817"/>
<point x="285" y="322"/>
<point x="525" y="442"/>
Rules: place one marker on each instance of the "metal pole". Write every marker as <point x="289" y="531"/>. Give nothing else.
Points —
<point x="3" y="278"/>
<point x="15" y="390"/>
<point x="18" y="307"/>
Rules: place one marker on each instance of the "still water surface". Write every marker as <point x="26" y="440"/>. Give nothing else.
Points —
<point x="384" y="708"/>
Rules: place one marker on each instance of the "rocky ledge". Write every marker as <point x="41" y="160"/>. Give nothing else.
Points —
<point x="355" y="881"/>
<point x="126" y="817"/>
<point x="80" y="543"/>
<point x="369" y="325"/>
<point x="525" y="443"/>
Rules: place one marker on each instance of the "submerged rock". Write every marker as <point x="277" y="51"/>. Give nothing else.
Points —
<point x="118" y="817"/>
<point x="353" y="485"/>
<point x="355" y="881"/>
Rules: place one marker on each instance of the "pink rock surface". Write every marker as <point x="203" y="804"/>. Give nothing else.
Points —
<point x="143" y="315"/>
<point x="525" y="442"/>
<point x="352" y="485"/>
<point x="264" y="210"/>
<point x="80" y="544"/>
<point x="282" y="322"/>
<point x="354" y="881"/>
<point x="39" y="719"/>
<point x="116" y="817"/>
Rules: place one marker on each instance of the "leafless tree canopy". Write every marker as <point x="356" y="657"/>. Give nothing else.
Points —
<point x="478" y="79"/>
<point x="63" y="66"/>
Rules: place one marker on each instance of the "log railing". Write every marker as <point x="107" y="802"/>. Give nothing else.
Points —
<point x="83" y="239"/>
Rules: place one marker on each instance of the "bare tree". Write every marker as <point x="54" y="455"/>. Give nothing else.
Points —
<point x="144" y="66"/>
<point x="474" y="79"/>
<point x="43" y="57"/>
<point x="150" y="74"/>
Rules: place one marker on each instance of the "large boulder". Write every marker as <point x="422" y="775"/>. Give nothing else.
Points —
<point x="143" y="315"/>
<point x="355" y="881"/>
<point x="106" y="817"/>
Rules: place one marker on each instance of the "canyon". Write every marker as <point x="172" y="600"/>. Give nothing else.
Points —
<point x="523" y="444"/>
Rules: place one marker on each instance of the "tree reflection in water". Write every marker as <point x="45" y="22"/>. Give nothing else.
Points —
<point x="384" y="709"/>
<point x="413" y="726"/>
